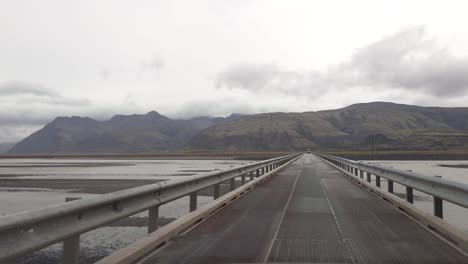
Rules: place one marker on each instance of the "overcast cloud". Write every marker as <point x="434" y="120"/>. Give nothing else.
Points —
<point x="155" y="64"/>
<point x="407" y="60"/>
<point x="192" y="58"/>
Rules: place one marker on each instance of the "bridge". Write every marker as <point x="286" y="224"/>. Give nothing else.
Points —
<point x="301" y="208"/>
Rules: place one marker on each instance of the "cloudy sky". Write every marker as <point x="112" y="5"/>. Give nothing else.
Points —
<point x="188" y="58"/>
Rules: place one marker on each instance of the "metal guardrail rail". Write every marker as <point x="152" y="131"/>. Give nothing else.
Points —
<point x="441" y="189"/>
<point x="27" y="232"/>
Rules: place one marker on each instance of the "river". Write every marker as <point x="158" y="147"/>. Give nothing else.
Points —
<point x="27" y="184"/>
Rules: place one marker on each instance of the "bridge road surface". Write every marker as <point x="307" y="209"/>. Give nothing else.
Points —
<point x="308" y="213"/>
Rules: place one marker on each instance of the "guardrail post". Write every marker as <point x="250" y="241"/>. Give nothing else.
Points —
<point x="243" y="179"/>
<point x="193" y="201"/>
<point x="257" y="172"/>
<point x="153" y="219"/>
<point x="251" y="176"/>
<point x="438" y="207"/>
<point x="435" y="191"/>
<point x="216" y="191"/>
<point x="232" y="185"/>
<point x="109" y="207"/>
<point x="361" y="174"/>
<point x="71" y="245"/>
<point x="390" y="186"/>
<point x="409" y="194"/>
<point x="263" y="170"/>
<point x="71" y="250"/>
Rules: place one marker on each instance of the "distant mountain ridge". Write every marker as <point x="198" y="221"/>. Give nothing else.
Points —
<point x="390" y="126"/>
<point x="387" y="125"/>
<point x="121" y="133"/>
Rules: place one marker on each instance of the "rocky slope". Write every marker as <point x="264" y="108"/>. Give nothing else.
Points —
<point x="120" y="134"/>
<point x="386" y="125"/>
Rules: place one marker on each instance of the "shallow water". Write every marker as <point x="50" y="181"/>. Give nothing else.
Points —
<point x="108" y="169"/>
<point x="453" y="214"/>
<point x="102" y="241"/>
<point x="27" y="184"/>
<point x="23" y="197"/>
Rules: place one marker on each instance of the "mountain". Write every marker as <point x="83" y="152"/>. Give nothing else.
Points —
<point x="388" y="126"/>
<point x="122" y="133"/>
<point x="269" y="131"/>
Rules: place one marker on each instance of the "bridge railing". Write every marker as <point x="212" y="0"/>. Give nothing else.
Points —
<point x="441" y="189"/>
<point x="27" y="232"/>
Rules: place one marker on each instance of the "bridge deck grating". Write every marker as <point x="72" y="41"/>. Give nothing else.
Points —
<point x="328" y="219"/>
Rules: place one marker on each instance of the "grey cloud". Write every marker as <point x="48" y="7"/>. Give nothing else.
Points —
<point x="212" y="107"/>
<point x="155" y="64"/>
<point x="105" y="74"/>
<point x="410" y="60"/>
<point x="27" y="106"/>
<point x="13" y="88"/>
<point x="22" y="119"/>
<point x="270" y="78"/>
<point x="13" y="133"/>
<point x="29" y="93"/>
<point x="407" y="60"/>
<point x="222" y="106"/>
<point x="249" y="77"/>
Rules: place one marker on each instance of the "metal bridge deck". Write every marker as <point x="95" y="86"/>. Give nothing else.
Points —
<point x="308" y="213"/>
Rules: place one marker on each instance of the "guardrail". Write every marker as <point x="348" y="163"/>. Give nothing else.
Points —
<point x="27" y="232"/>
<point x="440" y="189"/>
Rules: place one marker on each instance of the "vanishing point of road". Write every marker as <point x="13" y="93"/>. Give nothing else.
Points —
<point x="308" y="213"/>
